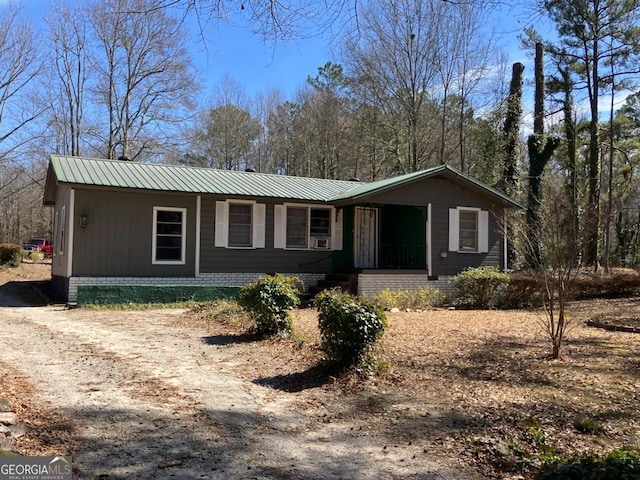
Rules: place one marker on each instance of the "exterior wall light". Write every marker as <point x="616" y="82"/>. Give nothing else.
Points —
<point x="84" y="220"/>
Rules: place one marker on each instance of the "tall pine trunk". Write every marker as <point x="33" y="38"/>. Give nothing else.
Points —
<point x="540" y="151"/>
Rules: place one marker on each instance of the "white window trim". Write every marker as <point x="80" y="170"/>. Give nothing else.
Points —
<point x="183" y="233"/>
<point x="258" y="224"/>
<point x="280" y="238"/>
<point x="454" y="230"/>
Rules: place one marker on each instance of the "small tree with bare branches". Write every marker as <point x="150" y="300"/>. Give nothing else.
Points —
<point x="556" y="242"/>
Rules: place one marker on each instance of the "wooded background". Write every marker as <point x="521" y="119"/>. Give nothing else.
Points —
<point x="414" y="84"/>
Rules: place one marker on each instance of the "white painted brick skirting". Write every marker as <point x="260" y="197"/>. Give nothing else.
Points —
<point x="204" y="280"/>
<point x="370" y="285"/>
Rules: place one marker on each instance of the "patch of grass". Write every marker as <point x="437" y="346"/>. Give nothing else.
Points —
<point x="226" y="312"/>
<point x="588" y="425"/>
<point x="188" y="304"/>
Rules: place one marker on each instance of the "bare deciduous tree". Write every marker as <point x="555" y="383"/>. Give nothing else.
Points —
<point x="418" y="63"/>
<point x="19" y="66"/>
<point x="67" y="88"/>
<point x="145" y="78"/>
<point x="225" y="133"/>
<point x="556" y="243"/>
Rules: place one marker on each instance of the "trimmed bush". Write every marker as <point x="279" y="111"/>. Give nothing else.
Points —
<point x="478" y="287"/>
<point x="11" y="254"/>
<point x="422" y="298"/>
<point x="268" y="301"/>
<point x="349" y="328"/>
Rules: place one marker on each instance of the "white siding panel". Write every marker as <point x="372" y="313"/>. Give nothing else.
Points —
<point x="222" y="224"/>
<point x="259" y="222"/>
<point x="278" y="226"/>
<point x="336" y="238"/>
<point x="454" y="233"/>
<point x="483" y="231"/>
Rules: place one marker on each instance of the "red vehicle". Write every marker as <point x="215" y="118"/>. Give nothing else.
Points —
<point x="39" y="245"/>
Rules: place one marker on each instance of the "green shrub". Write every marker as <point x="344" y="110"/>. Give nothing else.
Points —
<point x="422" y="298"/>
<point x="11" y="254"/>
<point x="268" y="301"/>
<point x="349" y="328"/>
<point x="522" y="291"/>
<point x="619" y="464"/>
<point x="478" y="287"/>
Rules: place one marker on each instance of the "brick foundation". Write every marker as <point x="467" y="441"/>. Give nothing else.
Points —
<point x="371" y="284"/>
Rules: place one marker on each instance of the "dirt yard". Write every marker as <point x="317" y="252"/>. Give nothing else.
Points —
<point x="166" y="394"/>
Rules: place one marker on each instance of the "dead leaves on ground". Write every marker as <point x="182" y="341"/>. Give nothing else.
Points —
<point x="457" y="375"/>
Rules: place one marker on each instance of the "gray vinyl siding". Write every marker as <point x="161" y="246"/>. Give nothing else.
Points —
<point x="455" y="262"/>
<point x="444" y="194"/>
<point x="259" y="260"/>
<point x="118" y="240"/>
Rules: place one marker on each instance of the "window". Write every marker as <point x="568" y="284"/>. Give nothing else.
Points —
<point x="169" y="235"/>
<point x="296" y="227"/>
<point x="320" y="224"/>
<point x="304" y="227"/>
<point x="240" y="224"/>
<point x="468" y="230"/>
<point x="240" y="227"/>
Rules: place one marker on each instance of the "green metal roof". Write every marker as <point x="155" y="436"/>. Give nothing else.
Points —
<point x="174" y="178"/>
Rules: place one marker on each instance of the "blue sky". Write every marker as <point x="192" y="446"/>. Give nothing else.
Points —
<point x="260" y="66"/>
<point x="222" y="49"/>
<point x="257" y="65"/>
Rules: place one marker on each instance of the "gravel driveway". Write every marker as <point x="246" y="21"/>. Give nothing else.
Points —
<point x="149" y="399"/>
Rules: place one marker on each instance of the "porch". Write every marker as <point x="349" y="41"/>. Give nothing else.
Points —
<point x="388" y="237"/>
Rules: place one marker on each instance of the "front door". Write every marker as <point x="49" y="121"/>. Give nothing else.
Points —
<point x="365" y="237"/>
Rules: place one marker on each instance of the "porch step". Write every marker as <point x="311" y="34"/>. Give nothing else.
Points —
<point x="346" y="282"/>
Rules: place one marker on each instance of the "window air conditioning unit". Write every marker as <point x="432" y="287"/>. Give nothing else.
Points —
<point x="320" y="243"/>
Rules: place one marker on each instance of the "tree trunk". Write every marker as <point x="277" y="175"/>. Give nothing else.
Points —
<point x="593" y="169"/>
<point x="540" y="151"/>
<point x="509" y="180"/>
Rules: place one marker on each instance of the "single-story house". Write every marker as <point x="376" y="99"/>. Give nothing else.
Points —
<point x="125" y="229"/>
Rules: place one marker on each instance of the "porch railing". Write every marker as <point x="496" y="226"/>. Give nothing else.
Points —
<point x="403" y="256"/>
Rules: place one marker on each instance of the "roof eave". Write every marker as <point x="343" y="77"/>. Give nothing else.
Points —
<point x="50" y="187"/>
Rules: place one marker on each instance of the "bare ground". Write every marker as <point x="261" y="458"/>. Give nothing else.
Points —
<point x="163" y="393"/>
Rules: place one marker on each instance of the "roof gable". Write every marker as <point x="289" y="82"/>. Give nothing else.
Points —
<point x="366" y="190"/>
